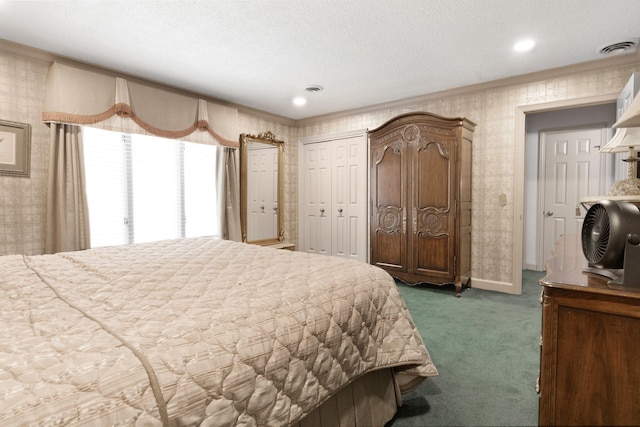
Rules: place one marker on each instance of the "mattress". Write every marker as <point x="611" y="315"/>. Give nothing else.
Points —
<point x="196" y="331"/>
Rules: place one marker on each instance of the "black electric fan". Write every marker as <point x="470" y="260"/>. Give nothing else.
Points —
<point x="604" y="235"/>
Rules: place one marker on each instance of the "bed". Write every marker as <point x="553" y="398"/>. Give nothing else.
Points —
<point x="202" y="331"/>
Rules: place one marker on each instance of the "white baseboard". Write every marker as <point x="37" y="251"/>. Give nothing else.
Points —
<point x="492" y="285"/>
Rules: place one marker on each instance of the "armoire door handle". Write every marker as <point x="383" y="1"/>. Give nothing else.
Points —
<point x="404" y="220"/>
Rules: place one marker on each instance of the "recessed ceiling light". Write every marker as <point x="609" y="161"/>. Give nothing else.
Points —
<point x="299" y="101"/>
<point x="524" y="45"/>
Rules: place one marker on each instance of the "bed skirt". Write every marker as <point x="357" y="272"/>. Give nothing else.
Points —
<point x="370" y="401"/>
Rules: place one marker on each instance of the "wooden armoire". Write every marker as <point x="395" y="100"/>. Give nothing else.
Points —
<point x="421" y="198"/>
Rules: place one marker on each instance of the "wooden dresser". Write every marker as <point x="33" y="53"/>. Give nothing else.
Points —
<point x="590" y="345"/>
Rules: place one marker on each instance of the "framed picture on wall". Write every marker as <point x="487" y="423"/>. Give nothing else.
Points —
<point x="15" y="148"/>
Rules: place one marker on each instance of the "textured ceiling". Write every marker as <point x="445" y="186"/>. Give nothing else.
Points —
<point x="264" y="53"/>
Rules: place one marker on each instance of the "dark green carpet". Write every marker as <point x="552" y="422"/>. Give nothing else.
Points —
<point x="486" y="348"/>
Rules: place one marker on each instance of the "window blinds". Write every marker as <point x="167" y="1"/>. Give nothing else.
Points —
<point x="143" y="188"/>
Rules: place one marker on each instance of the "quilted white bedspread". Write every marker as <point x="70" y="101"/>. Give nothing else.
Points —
<point x="192" y="332"/>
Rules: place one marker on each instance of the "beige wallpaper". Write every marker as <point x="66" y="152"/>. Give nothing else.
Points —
<point x="22" y="199"/>
<point x="493" y="172"/>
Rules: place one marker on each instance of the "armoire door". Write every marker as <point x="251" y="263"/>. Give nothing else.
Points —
<point x="389" y="180"/>
<point x="333" y="195"/>
<point x="432" y="242"/>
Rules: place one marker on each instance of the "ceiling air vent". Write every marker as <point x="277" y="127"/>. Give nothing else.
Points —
<point x="626" y="46"/>
<point x="313" y="88"/>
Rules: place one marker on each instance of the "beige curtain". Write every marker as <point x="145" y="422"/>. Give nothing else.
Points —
<point x="76" y="97"/>
<point x="229" y="187"/>
<point x="67" y="221"/>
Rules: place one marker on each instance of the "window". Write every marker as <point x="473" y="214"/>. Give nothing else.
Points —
<point x="143" y="188"/>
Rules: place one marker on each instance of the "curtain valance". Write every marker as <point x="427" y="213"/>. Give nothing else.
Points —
<point x="82" y="97"/>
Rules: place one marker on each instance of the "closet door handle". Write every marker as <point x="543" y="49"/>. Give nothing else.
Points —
<point x="339" y="212"/>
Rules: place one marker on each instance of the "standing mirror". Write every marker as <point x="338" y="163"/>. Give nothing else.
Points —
<point x="261" y="188"/>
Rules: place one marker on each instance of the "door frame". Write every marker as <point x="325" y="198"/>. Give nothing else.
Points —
<point x="604" y="135"/>
<point x="518" y="206"/>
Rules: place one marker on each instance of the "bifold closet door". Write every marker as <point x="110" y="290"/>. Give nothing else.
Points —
<point x="333" y="197"/>
<point x="316" y="204"/>
<point x="349" y="198"/>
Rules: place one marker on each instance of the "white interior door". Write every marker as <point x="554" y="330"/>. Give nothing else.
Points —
<point x="572" y="170"/>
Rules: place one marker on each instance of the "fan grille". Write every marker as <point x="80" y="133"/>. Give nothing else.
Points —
<point x="595" y="233"/>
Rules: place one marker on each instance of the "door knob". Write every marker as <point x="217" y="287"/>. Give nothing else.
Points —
<point x="549" y="213"/>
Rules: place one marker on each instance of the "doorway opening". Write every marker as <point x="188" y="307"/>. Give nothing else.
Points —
<point x="549" y="207"/>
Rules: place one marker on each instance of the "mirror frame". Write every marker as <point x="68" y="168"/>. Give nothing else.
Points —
<point x="270" y="139"/>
